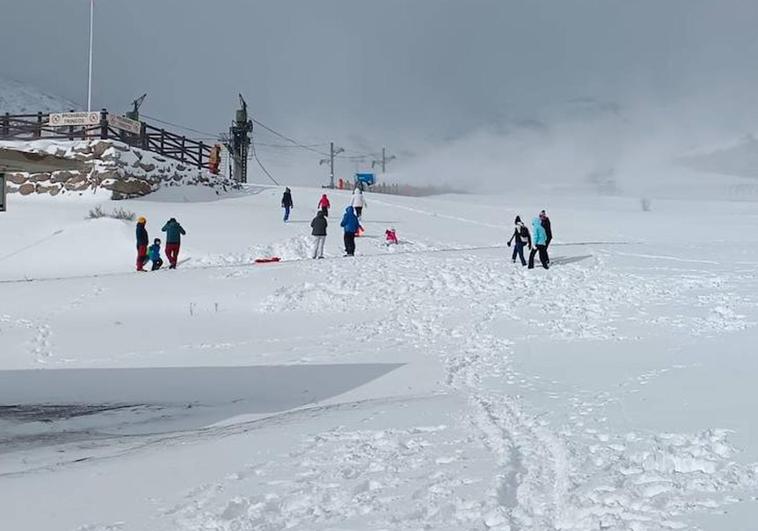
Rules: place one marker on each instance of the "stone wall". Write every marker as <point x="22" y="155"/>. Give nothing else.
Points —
<point x="117" y="168"/>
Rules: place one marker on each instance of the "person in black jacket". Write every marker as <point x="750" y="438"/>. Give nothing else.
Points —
<point x="287" y="204"/>
<point x="318" y="225"/>
<point x="548" y="230"/>
<point x="142" y="241"/>
<point x="520" y="238"/>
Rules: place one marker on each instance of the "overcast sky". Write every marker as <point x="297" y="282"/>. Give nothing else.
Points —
<point x="388" y="69"/>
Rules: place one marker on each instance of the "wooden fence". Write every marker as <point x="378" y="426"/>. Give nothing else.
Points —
<point x="37" y="126"/>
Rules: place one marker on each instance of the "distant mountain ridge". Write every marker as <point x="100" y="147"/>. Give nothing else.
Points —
<point x="20" y="98"/>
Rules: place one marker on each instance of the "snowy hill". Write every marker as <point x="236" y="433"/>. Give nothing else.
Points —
<point x="19" y="98"/>
<point x="432" y="385"/>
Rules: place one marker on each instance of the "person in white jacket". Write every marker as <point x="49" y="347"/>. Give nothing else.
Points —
<point x="358" y="202"/>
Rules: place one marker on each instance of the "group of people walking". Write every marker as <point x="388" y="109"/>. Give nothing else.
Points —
<point x="174" y="232"/>
<point x="350" y="223"/>
<point x="537" y="241"/>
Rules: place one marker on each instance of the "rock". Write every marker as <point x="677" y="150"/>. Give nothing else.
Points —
<point x="26" y="189"/>
<point x="61" y="176"/>
<point x="17" y="178"/>
<point x="53" y="189"/>
<point x="129" y="188"/>
<point x="39" y="177"/>
<point x="100" y="147"/>
<point x="147" y="166"/>
<point x="75" y="186"/>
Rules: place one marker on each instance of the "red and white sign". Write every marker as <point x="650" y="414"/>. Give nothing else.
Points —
<point x="61" y="119"/>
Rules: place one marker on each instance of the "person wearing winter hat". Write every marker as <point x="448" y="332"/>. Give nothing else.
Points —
<point x="142" y="240"/>
<point x="154" y="253"/>
<point x="521" y="238"/>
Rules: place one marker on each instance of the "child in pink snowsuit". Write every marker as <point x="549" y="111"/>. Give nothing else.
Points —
<point x="391" y="236"/>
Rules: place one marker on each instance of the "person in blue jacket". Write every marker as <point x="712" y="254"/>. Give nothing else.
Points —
<point x="539" y="241"/>
<point x="351" y="224"/>
<point x="154" y="253"/>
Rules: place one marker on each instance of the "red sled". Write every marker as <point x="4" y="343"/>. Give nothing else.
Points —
<point x="268" y="260"/>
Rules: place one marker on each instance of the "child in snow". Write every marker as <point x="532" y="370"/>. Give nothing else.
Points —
<point x="324" y="205"/>
<point x="391" y="236"/>
<point x="154" y="253"/>
<point x="142" y="240"/>
<point x="521" y="239"/>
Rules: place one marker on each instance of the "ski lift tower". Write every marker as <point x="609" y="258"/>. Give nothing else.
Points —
<point x="239" y="135"/>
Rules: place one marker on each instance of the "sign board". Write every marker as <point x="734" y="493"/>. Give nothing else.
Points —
<point x="2" y="192"/>
<point x="366" y="178"/>
<point x="61" y="119"/>
<point x="125" y="124"/>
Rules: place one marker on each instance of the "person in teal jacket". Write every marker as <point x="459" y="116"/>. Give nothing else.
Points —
<point x="539" y="240"/>
<point x="174" y="232"/>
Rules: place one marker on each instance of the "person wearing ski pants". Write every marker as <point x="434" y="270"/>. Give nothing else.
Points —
<point x="142" y="241"/>
<point x="174" y="232"/>
<point x="318" y="225"/>
<point x="548" y="230"/>
<point x="350" y="224"/>
<point x="520" y="239"/>
<point x="324" y="205"/>
<point x="358" y="202"/>
<point x="539" y="239"/>
<point x="287" y="204"/>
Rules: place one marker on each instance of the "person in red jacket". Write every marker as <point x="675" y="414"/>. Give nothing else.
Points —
<point x="324" y="205"/>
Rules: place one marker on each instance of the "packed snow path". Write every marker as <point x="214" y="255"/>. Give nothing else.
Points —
<point x="562" y="399"/>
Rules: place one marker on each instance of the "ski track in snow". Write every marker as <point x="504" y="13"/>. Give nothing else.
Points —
<point x="547" y="477"/>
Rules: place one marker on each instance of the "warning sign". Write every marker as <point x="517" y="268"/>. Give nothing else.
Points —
<point x="61" y="119"/>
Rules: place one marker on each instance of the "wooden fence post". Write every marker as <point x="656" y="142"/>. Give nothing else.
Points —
<point x="163" y="140"/>
<point x="71" y="129"/>
<point x="143" y="135"/>
<point x="104" y="124"/>
<point x="200" y="155"/>
<point x="38" y="129"/>
<point x="6" y="124"/>
<point x="184" y="149"/>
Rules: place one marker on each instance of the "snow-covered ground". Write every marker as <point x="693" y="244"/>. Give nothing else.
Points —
<point x="433" y="385"/>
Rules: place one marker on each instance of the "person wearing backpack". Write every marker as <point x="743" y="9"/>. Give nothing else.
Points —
<point x="520" y="239"/>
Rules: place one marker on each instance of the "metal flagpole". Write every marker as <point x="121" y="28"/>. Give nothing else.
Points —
<point x="91" y="31"/>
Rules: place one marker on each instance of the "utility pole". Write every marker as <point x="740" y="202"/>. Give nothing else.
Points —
<point x="91" y="39"/>
<point x="239" y="136"/>
<point x="384" y="160"/>
<point x="332" y="153"/>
